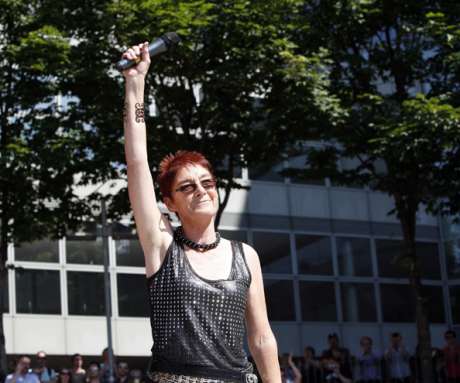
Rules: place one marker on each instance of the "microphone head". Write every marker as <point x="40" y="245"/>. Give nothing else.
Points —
<point x="171" y="39"/>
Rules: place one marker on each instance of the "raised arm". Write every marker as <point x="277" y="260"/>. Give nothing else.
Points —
<point x="295" y="370"/>
<point x="154" y="230"/>
<point x="261" y="341"/>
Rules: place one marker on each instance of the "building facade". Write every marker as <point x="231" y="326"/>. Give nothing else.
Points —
<point x="327" y="255"/>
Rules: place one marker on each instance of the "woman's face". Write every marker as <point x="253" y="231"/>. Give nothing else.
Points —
<point x="64" y="376"/>
<point x="193" y="193"/>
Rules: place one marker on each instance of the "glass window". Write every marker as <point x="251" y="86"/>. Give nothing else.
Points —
<point x="266" y="173"/>
<point x="38" y="291"/>
<point x="129" y="253"/>
<point x="299" y="163"/>
<point x="398" y="303"/>
<point x="132" y="295"/>
<point x="5" y="307"/>
<point x="453" y="258"/>
<point x="85" y="250"/>
<point x="317" y="300"/>
<point x="429" y="259"/>
<point x="37" y="251"/>
<point x="86" y="293"/>
<point x="224" y="167"/>
<point x="354" y="255"/>
<point x="388" y="252"/>
<point x="358" y="302"/>
<point x="280" y="300"/>
<point x="435" y="304"/>
<point x="274" y="251"/>
<point x="314" y="254"/>
<point x="235" y="235"/>
<point x="455" y="303"/>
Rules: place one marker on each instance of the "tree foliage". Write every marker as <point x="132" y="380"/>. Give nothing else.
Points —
<point x="394" y="68"/>
<point x="225" y="92"/>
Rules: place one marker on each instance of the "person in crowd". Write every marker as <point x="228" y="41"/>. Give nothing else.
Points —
<point x="368" y="363"/>
<point x="436" y="363"/>
<point x="78" y="373"/>
<point x="289" y="371"/>
<point x="122" y="372"/>
<point x="332" y="371"/>
<point x="451" y="357"/>
<point x="93" y="373"/>
<point x="45" y="374"/>
<point x="22" y="372"/>
<point x="202" y="286"/>
<point x="64" y="376"/>
<point x="397" y="359"/>
<point x="339" y="355"/>
<point x="135" y="376"/>
<point x="105" y="367"/>
<point x="310" y="368"/>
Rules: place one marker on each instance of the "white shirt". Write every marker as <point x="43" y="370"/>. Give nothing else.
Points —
<point x="27" y="378"/>
<point x="398" y="362"/>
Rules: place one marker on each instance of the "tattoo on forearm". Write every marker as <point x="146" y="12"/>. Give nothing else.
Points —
<point x="125" y="111"/>
<point x="139" y="108"/>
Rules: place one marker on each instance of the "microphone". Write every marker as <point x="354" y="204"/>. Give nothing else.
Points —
<point x="160" y="45"/>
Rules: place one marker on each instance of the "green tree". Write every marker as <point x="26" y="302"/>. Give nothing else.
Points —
<point x="223" y="92"/>
<point x="39" y="156"/>
<point x="219" y="92"/>
<point x="394" y="68"/>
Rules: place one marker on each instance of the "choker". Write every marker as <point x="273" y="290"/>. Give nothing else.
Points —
<point x="180" y="237"/>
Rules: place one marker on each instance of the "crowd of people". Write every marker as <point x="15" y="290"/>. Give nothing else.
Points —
<point x="93" y="372"/>
<point x="397" y="364"/>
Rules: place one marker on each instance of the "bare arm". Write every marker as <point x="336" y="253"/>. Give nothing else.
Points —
<point x="261" y="341"/>
<point x="155" y="233"/>
<point x="295" y="370"/>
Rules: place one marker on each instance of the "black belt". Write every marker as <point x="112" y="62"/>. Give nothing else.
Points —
<point x="245" y="376"/>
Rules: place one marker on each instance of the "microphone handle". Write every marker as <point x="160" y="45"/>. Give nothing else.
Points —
<point x="155" y="48"/>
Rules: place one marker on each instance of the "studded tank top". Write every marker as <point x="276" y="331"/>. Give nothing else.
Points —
<point x="198" y="324"/>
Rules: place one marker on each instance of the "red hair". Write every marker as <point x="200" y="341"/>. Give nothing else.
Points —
<point x="172" y="163"/>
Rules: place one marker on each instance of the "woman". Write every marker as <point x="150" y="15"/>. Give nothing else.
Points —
<point x="201" y="288"/>
<point x="64" y="376"/>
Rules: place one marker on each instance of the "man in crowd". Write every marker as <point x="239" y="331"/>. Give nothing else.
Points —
<point x="336" y="359"/>
<point x="310" y="368"/>
<point x="45" y="374"/>
<point x="451" y="356"/>
<point x="78" y="374"/>
<point x="368" y="363"/>
<point x="21" y="373"/>
<point x="397" y="359"/>
<point x="104" y="368"/>
<point x="122" y="372"/>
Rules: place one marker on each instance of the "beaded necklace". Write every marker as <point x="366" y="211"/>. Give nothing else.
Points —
<point x="180" y="237"/>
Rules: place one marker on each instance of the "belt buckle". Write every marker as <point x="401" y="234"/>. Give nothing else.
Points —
<point x="250" y="378"/>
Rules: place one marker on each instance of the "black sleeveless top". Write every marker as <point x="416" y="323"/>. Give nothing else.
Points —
<point x="198" y="324"/>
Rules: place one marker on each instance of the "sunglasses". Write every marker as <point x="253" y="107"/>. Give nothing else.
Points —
<point x="207" y="184"/>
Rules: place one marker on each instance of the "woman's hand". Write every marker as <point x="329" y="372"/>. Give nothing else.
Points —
<point x="139" y="53"/>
